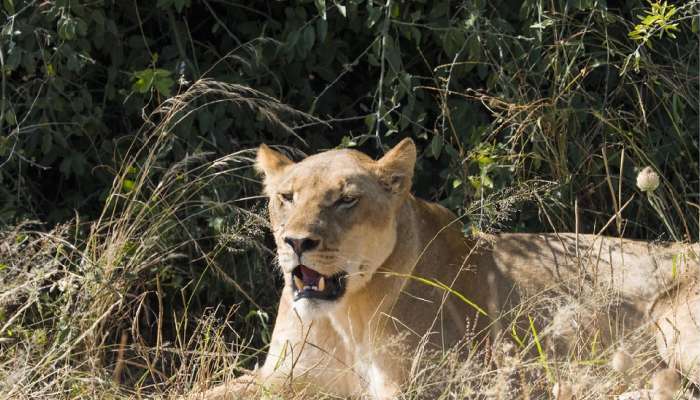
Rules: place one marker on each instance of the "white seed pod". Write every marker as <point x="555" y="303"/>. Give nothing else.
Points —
<point x="647" y="180"/>
<point x="621" y="361"/>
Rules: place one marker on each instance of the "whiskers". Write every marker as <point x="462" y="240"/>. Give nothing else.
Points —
<point x="352" y="265"/>
<point x="326" y="261"/>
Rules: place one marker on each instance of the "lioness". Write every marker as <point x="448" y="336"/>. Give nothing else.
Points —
<point x="370" y="271"/>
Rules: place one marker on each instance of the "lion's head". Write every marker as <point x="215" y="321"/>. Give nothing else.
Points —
<point x="333" y="216"/>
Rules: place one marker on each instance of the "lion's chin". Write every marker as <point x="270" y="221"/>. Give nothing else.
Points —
<point x="310" y="309"/>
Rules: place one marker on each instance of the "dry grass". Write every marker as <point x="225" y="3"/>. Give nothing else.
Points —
<point x="82" y="311"/>
<point x="70" y="330"/>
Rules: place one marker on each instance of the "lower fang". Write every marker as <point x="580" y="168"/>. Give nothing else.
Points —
<point x="321" y="284"/>
<point x="298" y="282"/>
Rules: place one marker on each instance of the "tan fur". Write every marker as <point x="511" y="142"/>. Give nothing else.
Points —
<point x="364" y="342"/>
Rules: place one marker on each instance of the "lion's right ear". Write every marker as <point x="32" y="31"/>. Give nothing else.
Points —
<point x="271" y="162"/>
<point x="396" y="167"/>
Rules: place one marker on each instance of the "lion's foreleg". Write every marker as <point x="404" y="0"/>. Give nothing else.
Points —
<point x="677" y="318"/>
<point x="243" y="387"/>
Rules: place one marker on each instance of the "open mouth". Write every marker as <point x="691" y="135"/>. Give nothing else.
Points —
<point x="310" y="284"/>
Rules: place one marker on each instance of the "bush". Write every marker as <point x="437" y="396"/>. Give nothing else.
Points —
<point x="496" y="94"/>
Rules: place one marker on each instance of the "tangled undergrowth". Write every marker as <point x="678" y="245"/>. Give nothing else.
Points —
<point x="90" y="308"/>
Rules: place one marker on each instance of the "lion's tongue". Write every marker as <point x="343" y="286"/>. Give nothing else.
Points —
<point x="309" y="276"/>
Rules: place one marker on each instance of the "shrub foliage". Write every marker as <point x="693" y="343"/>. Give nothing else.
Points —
<point x="496" y="94"/>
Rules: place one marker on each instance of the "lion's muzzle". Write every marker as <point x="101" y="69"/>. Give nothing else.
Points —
<point x="310" y="284"/>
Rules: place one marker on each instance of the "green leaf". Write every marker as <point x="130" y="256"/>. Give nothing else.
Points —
<point x="160" y="79"/>
<point x="486" y="181"/>
<point x="321" y="7"/>
<point x="650" y="20"/>
<point x="373" y="15"/>
<point x="452" y="42"/>
<point x="164" y="86"/>
<point x="143" y="81"/>
<point x="370" y="120"/>
<point x="292" y="39"/>
<point x="259" y="314"/>
<point x="65" y="166"/>
<point x="9" y="6"/>
<point x="205" y="121"/>
<point x="395" y="10"/>
<point x="179" y="5"/>
<point x="161" y="73"/>
<point x="67" y="28"/>
<point x="308" y="38"/>
<point x="475" y="182"/>
<point x="128" y="185"/>
<point x="81" y="26"/>
<point x="484" y="160"/>
<point x="342" y="10"/>
<point x="436" y="146"/>
<point x="10" y="117"/>
<point x="78" y="164"/>
<point x="46" y="143"/>
<point x="393" y="54"/>
<point x="671" y="13"/>
<point x="322" y="30"/>
<point x="217" y="224"/>
<point x="474" y="48"/>
<point x="346" y="142"/>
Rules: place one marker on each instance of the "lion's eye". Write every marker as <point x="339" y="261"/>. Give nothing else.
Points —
<point x="286" y="197"/>
<point x="346" y="201"/>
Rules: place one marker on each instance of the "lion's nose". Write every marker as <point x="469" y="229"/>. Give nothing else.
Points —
<point x="300" y="245"/>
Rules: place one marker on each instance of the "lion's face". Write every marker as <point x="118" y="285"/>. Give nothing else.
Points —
<point x="333" y="216"/>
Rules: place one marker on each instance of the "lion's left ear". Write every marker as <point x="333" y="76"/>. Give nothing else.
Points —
<point x="395" y="169"/>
